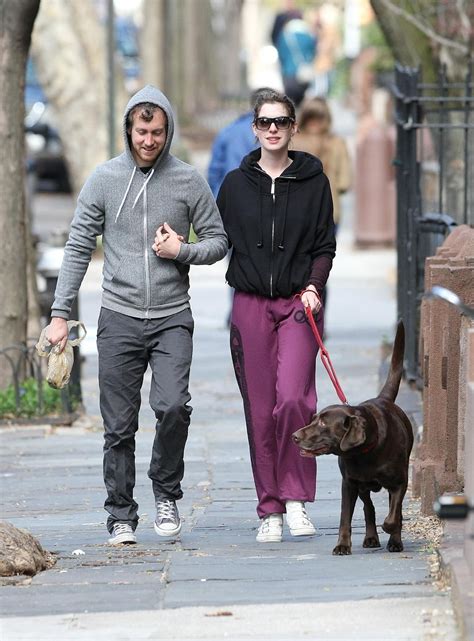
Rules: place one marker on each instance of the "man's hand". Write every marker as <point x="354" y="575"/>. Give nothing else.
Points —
<point x="167" y="242"/>
<point x="310" y="298"/>
<point x="57" y="333"/>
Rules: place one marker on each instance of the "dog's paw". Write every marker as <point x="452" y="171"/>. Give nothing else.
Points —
<point x="394" y="545"/>
<point x="342" y="550"/>
<point x="371" y="542"/>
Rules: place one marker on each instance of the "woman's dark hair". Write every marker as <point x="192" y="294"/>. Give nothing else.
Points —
<point x="272" y="96"/>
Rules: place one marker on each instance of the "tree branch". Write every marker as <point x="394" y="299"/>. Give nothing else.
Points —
<point x="428" y="31"/>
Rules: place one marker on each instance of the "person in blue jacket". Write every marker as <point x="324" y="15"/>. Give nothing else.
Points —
<point x="296" y="47"/>
<point x="231" y="144"/>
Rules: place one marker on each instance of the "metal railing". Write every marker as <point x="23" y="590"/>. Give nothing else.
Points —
<point x="28" y="396"/>
<point x="435" y="182"/>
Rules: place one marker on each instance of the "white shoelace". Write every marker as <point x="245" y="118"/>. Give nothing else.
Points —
<point x="268" y="523"/>
<point x="305" y="517"/>
<point x="166" y="510"/>
<point x="301" y="513"/>
<point x="122" y="528"/>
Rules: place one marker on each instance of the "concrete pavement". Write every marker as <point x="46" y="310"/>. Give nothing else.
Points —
<point x="216" y="582"/>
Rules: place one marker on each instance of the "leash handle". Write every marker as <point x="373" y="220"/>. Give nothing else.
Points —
<point x="326" y="361"/>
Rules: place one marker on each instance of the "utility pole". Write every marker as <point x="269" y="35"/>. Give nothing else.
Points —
<point x="111" y="75"/>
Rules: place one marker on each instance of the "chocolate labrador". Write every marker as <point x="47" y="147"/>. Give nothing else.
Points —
<point x="373" y="441"/>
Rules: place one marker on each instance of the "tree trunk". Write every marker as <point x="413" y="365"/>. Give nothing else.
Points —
<point x="79" y="99"/>
<point x="152" y="47"/>
<point x="409" y="46"/>
<point x="16" y="23"/>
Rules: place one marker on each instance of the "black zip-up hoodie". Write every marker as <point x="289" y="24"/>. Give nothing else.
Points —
<point x="279" y="229"/>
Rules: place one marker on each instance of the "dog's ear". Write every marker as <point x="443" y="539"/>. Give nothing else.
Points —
<point x="355" y="435"/>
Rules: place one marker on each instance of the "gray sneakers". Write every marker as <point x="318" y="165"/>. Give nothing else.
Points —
<point x="167" y="522"/>
<point x="122" y="533"/>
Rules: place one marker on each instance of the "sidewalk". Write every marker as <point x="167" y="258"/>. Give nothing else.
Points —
<point x="216" y="582"/>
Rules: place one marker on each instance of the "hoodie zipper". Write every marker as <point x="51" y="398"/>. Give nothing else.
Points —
<point x="272" y="191"/>
<point x="145" y="241"/>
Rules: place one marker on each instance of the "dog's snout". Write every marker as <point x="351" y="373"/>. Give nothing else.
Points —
<point x="296" y="438"/>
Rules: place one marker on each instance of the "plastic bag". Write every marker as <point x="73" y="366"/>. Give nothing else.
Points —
<point x="59" y="363"/>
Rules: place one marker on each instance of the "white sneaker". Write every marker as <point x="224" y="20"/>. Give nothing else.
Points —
<point x="271" y="529"/>
<point x="122" y="533"/>
<point x="297" y="519"/>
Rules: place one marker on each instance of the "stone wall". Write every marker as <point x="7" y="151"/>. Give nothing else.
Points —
<point x="439" y="456"/>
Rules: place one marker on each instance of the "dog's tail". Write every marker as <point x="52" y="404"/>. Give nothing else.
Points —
<point x="390" y="389"/>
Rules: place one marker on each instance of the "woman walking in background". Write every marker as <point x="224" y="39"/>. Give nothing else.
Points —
<point x="277" y="212"/>
<point x="315" y="137"/>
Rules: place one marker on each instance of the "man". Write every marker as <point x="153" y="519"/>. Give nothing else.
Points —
<point x="143" y="203"/>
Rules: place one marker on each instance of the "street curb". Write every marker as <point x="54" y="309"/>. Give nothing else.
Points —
<point x="455" y="570"/>
<point x="450" y="552"/>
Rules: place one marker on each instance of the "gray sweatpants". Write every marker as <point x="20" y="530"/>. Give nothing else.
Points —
<point x="126" y="346"/>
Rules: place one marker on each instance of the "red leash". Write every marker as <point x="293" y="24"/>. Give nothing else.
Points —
<point x="325" y="356"/>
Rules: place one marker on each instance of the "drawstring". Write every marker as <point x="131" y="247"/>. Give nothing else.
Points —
<point x="281" y="246"/>
<point x="260" y="213"/>
<point x="125" y="195"/>
<point x="143" y="187"/>
<point x="128" y="189"/>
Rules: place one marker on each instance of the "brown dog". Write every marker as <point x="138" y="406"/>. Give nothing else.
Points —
<point x="373" y="441"/>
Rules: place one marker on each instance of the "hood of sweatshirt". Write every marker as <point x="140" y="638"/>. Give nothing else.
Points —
<point x="304" y="167"/>
<point x="156" y="97"/>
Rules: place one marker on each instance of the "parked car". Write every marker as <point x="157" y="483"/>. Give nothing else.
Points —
<point x="44" y="149"/>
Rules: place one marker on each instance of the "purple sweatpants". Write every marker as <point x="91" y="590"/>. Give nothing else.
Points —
<point x="274" y="354"/>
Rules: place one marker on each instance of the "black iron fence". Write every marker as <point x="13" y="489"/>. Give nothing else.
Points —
<point x="435" y="182"/>
<point x="28" y="397"/>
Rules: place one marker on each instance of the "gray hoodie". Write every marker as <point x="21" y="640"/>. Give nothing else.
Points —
<point x="127" y="206"/>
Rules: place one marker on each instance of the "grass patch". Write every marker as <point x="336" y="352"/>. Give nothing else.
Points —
<point x="30" y="402"/>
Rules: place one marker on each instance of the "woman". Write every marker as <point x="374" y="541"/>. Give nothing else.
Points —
<point x="316" y="138"/>
<point x="277" y="212"/>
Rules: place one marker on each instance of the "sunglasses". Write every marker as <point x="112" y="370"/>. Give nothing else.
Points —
<point x="282" y="122"/>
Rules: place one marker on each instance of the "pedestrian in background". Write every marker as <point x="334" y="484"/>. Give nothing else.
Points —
<point x="230" y="145"/>
<point x="282" y="17"/>
<point x="277" y="212"/>
<point x="315" y="137"/>
<point x="295" y="43"/>
<point x="143" y="203"/>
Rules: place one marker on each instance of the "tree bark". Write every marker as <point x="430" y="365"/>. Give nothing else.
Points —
<point x="16" y="23"/>
<point x="426" y="33"/>
<point x="152" y="47"/>
<point x="409" y="46"/>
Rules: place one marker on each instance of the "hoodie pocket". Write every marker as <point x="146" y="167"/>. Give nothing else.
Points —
<point x="245" y="276"/>
<point x="127" y="281"/>
<point x="293" y="276"/>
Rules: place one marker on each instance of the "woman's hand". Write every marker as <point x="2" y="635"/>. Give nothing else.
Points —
<point x="310" y="298"/>
<point x="167" y="242"/>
